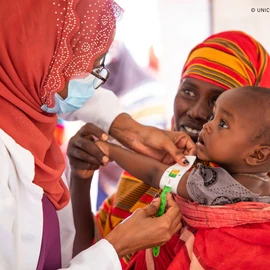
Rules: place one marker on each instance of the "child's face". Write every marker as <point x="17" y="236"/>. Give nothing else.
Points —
<point x="226" y="138"/>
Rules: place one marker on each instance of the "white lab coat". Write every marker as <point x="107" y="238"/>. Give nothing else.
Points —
<point x="21" y="217"/>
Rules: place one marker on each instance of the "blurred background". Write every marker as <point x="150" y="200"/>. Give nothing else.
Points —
<point x="160" y="33"/>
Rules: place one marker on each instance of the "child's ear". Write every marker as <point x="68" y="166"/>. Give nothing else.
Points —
<point x="260" y="156"/>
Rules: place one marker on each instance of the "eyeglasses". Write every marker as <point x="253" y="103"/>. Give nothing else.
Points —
<point x="101" y="73"/>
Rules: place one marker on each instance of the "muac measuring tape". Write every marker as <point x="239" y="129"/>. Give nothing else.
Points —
<point x="169" y="182"/>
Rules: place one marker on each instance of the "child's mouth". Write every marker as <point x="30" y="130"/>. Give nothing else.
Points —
<point x="200" y="140"/>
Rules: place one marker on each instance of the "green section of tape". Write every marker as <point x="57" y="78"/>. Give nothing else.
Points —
<point x="160" y="212"/>
<point x="155" y="251"/>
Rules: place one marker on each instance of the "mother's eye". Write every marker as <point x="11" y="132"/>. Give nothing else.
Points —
<point x="188" y="92"/>
<point x="213" y="102"/>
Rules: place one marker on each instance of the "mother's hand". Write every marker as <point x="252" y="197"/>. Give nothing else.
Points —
<point x="84" y="155"/>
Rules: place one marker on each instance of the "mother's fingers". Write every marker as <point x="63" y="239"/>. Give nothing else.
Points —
<point x="90" y="129"/>
<point x="82" y="151"/>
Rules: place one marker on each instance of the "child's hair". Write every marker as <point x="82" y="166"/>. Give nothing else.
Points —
<point x="257" y="102"/>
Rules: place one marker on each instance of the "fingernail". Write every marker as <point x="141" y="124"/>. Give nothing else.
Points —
<point x="156" y="197"/>
<point x="105" y="160"/>
<point x="185" y="161"/>
<point x="104" y="137"/>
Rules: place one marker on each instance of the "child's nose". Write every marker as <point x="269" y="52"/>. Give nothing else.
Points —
<point x="207" y="127"/>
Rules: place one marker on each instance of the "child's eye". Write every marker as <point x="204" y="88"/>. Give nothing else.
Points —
<point x="223" y="124"/>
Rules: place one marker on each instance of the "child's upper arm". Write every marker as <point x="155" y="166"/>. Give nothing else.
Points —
<point x="182" y="186"/>
<point x="176" y="177"/>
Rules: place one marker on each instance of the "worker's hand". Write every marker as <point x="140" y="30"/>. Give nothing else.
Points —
<point x="141" y="230"/>
<point x="166" y="146"/>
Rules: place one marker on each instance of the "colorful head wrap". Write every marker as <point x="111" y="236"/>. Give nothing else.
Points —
<point x="229" y="60"/>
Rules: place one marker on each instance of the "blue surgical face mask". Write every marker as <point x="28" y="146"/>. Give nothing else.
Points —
<point x="79" y="91"/>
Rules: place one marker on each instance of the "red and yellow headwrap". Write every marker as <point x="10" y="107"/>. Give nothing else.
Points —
<point x="229" y="60"/>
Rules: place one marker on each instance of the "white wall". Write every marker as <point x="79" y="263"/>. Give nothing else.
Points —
<point x="238" y="15"/>
<point x="173" y="27"/>
<point x="183" y="24"/>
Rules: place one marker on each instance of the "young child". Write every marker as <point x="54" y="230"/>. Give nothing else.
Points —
<point x="236" y="138"/>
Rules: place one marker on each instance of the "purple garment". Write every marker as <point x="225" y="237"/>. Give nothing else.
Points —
<point x="50" y="252"/>
<point x="125" y="73"/>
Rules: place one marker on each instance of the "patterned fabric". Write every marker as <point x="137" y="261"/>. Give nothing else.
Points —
<point x="230" y="215"/>
<point x="131" y="194"/>
<point x="122" y="204"/>
<point x="229" y="60"/>
<point x="215" y="186"/>
<point x="44" y="44"/>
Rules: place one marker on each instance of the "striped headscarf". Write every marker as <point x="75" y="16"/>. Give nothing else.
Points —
<point x="229" y="59"/>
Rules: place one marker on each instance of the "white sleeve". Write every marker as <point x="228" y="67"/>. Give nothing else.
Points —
<point x="102" y="255"/>
<point x="101" y="109"/>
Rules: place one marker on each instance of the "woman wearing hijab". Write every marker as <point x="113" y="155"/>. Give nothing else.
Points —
<point x="223" y="61"/>
<point x="47" y="48"/>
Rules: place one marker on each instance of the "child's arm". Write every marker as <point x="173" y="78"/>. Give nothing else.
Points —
<point x="142" y="167"/>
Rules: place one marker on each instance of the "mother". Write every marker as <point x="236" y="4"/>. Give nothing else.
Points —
<point x="223" y="61"/>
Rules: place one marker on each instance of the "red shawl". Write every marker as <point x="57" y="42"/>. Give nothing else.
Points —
<point x="43" y="45"/>
<point x="221" y="237"/>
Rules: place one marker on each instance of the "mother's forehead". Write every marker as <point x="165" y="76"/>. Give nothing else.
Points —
<point x="202" y="85"/>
